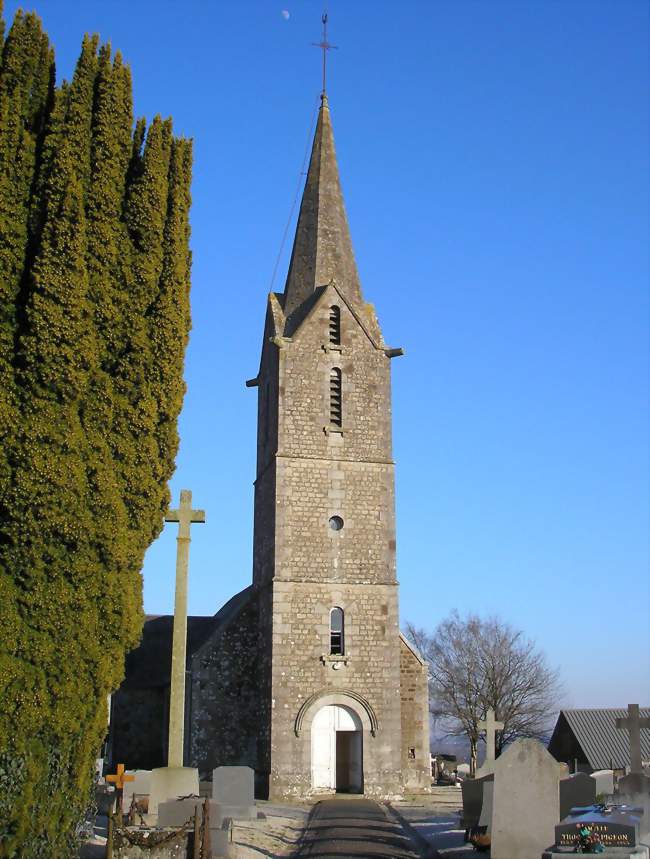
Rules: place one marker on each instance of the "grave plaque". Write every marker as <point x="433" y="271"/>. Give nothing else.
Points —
<point x="613" y="826"/>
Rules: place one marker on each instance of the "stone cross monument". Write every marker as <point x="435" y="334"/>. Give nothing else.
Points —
<point x="185" y="517"/>
<point x="634" y="723"/>
<point x="490" y="726"/>
<point x="174" y="780"/>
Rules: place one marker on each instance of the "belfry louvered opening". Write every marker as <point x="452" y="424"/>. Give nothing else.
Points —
<point x="336" y="405"/>
<point x="335" y="325"/>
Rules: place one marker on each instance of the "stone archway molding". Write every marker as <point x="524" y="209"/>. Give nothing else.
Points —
<point x="342" y="697"/>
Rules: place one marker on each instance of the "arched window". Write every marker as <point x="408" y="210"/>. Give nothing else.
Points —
<point x="336" y="632"/>
<point x="335" y="325"/>
<point x="336" y="411"/>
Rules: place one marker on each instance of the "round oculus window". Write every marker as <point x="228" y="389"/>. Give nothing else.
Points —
<point x="336" y="523"/>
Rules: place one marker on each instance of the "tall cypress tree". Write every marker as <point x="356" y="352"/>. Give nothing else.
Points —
<point x="94" y="273"/>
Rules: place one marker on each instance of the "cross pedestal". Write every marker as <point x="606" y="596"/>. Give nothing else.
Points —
<point x="175" y="780"/>
<point x="490" y="726"/>
<point x="633" y="723"/>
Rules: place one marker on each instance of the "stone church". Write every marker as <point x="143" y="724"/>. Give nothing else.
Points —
<point x="304" y="675"/>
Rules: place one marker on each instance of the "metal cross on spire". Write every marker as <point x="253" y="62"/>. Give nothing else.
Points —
<point x="325" y="47"/>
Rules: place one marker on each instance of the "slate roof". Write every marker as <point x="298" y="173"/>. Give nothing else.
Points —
<point x="149" y="665"/>
<point x="601" y="741"/>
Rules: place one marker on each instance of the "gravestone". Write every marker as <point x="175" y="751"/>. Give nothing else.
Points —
<point x="139" y="787"/>
<point x="233" y="788"/>
<point x="472" y="794"/>
<point x="485" y="820"/>
<point x="634" y="785"/>
<point x="635" y="790"/>
<point x="619" y="830"/>
<point x="604" y="781"/>
<point x="576" y="790"/>
<point x="171" y="783"/>
<point x="526" y="804"/>
<point x="177" y="812"/>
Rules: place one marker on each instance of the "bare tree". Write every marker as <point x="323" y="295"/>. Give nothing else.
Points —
<point x="479" y="664"/>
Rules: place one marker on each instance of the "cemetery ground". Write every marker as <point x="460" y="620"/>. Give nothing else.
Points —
<point x="416" y="826"/>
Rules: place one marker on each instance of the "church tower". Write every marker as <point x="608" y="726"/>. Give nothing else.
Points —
<point x="304" y="675"/>
<point x="331" y="658"/>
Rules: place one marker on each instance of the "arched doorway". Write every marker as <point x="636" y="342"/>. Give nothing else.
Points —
<point x="337" y="750"/>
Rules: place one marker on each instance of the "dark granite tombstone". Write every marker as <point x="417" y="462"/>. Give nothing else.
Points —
<point x="634" y="785"/>
<point x="472" y="792"/>
<point x="576" y="790"/>
<point x="613" y="826"/>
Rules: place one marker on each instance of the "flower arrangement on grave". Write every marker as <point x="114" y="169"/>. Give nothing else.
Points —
<point x="588" y="842"/>
<point x="481" y="841"/>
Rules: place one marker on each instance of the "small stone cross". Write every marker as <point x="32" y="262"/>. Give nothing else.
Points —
<point x="185" y="517"/>
<point x="490" y="726"/>
<point x="634" y="723"/>
<point x="120" y="779"/>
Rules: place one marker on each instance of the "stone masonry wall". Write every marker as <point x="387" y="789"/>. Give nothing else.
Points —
<point x="302" y="667"/>
<point x="224" y="695"/>
<point x="414" y="694"/>
<point x="132" y="710"/>
<point x="322" y="471"/>
<point x="318" y="471"/>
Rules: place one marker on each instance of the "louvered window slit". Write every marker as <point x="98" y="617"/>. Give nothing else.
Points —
<point x="336" y="405"/>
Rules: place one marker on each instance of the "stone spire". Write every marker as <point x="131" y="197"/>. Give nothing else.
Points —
<point x="322" y="248"/>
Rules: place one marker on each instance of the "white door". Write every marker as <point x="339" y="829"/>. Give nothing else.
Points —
<point x="323" y="750"/>
<point x="327" y="721"/>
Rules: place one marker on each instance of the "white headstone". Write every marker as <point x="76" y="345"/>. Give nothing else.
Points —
<point x="171" y="783"/>
<point x="526" y="804"/>
<point x="140" y="786"/>
<point x="604" y="781"/>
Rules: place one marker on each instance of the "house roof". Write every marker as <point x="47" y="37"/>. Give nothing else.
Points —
<point x="601" y="741"/>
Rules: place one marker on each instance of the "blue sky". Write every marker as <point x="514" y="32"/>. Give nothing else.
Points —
<point x="494" y="163"/>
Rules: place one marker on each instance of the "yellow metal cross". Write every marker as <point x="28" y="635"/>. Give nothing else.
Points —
<point x="120" y="778"/>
